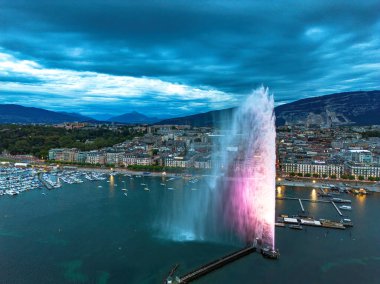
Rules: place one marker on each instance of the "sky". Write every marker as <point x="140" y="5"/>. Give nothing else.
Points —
<point x="174" y="58"/>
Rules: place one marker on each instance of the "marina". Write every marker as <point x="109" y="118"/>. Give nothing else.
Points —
<point x="14" y="181"/>
<point x="332" y="201"/>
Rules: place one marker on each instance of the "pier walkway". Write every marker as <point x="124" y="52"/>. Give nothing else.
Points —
<point x="216" y="264"/>
<point x="47" y="185"/>
<point x="303" y="199"/>
<point x="300" y="201"/>
<point x="337" y="209"/>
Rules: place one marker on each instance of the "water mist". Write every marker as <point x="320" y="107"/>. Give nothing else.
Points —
<point x="239" y="202"/>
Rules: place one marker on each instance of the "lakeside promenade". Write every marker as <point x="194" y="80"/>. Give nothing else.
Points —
<point x="288" y="181"/>
<point x="280" y="180"/>
<point x="318" y="183"/>
<point x="129" y="172"/>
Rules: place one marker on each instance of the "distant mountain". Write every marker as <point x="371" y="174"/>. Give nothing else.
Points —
<point x="11" y="113"/>
<point x="78" y="116"/>
<point x="350" y="108"/>
<point x="211" y="118"/>
<point x="133" y="118"/>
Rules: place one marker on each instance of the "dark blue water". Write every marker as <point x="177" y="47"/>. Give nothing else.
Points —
<point x="85" y="234"/>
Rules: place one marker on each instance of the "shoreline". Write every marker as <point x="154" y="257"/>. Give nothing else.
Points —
<point x="318" y="183"/>
<point x="130" y="172"/>
<point x="280" y="180"/>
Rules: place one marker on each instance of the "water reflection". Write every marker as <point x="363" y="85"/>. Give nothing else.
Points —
<point x="112" y="186"/>
<point x="314" y="195"/>
<point x="280" y="192"/>
<point x="361" y="200"/>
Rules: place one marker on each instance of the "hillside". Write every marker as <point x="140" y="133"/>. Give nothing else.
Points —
<point x="133" y="118"/>
<point x="10" y="113"/>
<point x="351" y="108"/>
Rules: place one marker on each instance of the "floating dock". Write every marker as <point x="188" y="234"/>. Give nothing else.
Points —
<point x="337" y="209"/>
<point x="303" y="199"/>
<point x="300" y="201"/>
<point x="332" y="201"/>
<point x="44" y="183"/>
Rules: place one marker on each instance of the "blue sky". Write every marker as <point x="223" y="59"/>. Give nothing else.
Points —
<point x="171" y="58"/>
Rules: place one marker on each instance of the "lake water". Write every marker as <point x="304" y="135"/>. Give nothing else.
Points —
<point x="83" y="233"/>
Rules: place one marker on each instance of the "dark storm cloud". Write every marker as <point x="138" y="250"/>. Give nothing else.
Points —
<point x="296" y="48"/>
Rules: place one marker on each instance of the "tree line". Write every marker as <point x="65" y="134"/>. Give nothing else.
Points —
<point x="38" y="139"/>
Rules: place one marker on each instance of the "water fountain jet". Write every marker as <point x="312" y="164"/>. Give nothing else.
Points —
<point x="240" y="201"/>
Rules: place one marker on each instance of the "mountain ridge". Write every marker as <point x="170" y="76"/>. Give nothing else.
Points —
<point x="133" y="117"/>
<point x="347" y="108"/>
<point x="13" y="113"/>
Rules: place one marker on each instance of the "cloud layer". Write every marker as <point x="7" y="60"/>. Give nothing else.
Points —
<point x="181" y="57"/>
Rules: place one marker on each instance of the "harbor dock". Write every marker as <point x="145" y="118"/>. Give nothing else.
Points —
<point x="44" y="182"/>
<point x="332" y="201"/>
<point x="300" y="201"/>
<point x="337" y="209"/>
<point x="302" y="220"/>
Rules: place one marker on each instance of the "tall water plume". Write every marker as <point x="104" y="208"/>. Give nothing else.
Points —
<point x="240" y="199"/>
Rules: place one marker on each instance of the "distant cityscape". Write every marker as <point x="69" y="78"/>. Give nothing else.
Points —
<point x="345" y="152"/>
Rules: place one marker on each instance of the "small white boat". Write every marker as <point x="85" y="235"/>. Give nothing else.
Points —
<point x="170" y="188"/>
<point x="124" y="189"/>
<point x="146" y="188"/>
<point x="100" y="186"/>
<point x="345" y="207"/>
